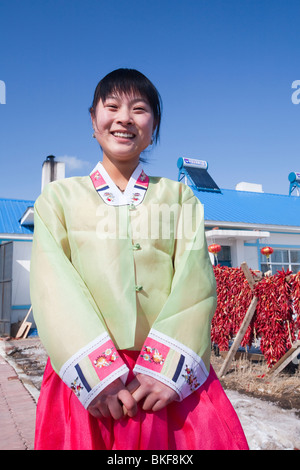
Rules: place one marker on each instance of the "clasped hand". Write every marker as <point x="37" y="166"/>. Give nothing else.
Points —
<point x="116" y="399"/>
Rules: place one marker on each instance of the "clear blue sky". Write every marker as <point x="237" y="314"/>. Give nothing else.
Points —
<point x="224" y="70"/>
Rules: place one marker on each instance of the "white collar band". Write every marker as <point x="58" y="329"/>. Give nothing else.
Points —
<point x="110" y="193"/>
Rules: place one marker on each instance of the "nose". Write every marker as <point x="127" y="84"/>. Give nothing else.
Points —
<point x="124" y="116"/>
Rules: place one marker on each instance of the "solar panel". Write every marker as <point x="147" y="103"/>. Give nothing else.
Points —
<point x="196" y="172"/>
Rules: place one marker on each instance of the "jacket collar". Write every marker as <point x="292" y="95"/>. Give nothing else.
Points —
<point x="110" y="193"/>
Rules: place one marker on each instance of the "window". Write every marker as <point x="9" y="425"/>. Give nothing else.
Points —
<point x="286" y="259"/>
<point x="224" y="256"/>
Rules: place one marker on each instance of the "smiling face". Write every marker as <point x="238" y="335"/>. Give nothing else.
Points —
<point x="123" y="125"/>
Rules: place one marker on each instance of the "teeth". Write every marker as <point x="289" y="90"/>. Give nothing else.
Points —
<point x="123" y="134"/>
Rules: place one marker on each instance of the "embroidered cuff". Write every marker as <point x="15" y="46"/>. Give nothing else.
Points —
<point x="92" y="368"/>
<point x="172" y="363"/>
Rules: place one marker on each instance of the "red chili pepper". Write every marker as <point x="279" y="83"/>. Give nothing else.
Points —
<point x="277" y="318"/>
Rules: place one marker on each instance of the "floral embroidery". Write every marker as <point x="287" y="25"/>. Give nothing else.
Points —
<point x="143" y="176"/>
<point x="76" y="387"/>
<point x="109" y="197"/>
<point x="105" y="359"/>
<point x="97" y="175"/>
<point x="152" y="355"/>
<point x="135" y="196"/>
<point x="191" y="379"/>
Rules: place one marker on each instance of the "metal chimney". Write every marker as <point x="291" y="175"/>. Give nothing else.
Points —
<point x="52" y="170"/>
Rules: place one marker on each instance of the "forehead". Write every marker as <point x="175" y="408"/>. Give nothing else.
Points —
<point x="128" y="96"/>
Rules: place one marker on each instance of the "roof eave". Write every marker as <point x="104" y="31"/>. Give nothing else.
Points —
<point x="251" y="226"/>
<point x="16" y="237"/>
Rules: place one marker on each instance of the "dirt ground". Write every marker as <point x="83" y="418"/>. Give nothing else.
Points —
<point x="245" y="376"/>
<point x="253" y="378"/>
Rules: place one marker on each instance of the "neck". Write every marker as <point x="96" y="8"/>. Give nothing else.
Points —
<point x="120" y="172"/>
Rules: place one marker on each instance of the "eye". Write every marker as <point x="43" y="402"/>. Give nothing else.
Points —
<point x="140" y="108"/>
<point x="111" y="105"/>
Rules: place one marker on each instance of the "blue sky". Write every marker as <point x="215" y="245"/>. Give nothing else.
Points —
<point x="224" y="70"/>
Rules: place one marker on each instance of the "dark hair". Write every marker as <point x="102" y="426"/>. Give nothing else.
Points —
<point x="127" y="81"/>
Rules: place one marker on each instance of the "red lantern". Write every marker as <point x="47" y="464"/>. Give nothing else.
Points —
<point x="214" y="248"/>
<point x="267" y="251"/>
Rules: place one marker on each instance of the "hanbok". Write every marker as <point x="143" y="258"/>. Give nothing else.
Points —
<point x="121" y="283"/>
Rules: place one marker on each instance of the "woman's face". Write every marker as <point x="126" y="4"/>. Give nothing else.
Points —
<point x="123" y="126"/>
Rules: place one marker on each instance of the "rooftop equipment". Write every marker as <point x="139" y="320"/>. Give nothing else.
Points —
<point x="294" y="179"/>
<point x="196" y="175"/>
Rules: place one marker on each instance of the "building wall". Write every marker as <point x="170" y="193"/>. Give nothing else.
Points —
<point x="251" y="257"/>
<point x="284" y="239"/>
<point x="20" y="285"/>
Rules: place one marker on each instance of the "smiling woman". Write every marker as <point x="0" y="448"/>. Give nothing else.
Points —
<point x="129" y="364"/>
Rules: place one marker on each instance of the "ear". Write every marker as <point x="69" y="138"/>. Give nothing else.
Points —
<point x="92" y="117"/>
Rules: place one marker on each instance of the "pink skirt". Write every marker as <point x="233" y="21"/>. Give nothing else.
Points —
<point x="205" y="420"/>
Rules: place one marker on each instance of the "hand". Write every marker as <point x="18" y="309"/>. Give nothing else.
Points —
<point x="156" y="394"/>
<point x="110" y="402"/>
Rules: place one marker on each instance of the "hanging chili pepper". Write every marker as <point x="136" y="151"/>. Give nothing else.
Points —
<point x="276" y="321"/>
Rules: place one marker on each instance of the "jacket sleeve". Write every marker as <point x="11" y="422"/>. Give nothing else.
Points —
<point x="177" y="349"/>
<point x="69" y="323"/>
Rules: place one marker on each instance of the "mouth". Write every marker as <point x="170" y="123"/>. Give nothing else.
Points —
<point x="123" y="135"/>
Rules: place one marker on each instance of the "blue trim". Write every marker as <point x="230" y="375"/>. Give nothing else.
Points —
<point x="284" y="233"/>
<point x="20" y="307"/>
<point x="178" y="368"/>
<point x="15" y="240"/>
<point x="82" y="378"/>
<point x="274" y="245"/>
<point x="258" y="254"/>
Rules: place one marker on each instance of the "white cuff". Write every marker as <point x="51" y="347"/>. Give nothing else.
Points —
<point x="172" y="363"/>
<point x="93" y="368"/>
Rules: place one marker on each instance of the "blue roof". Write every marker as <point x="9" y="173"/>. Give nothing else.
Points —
<point x="11" y="211"/>
<point x="229" y="206"/>
<point x="250" y="207"/>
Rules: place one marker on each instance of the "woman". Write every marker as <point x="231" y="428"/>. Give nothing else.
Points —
<point x="123" y="293"/>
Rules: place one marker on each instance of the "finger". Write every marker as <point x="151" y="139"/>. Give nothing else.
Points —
<point x="104" y="410"/>
<point x="128" y="402"/>
<point x="159" y="405"/>
<point x="164" y="400"/>
<point x="138" y="394"/>
<point x="99" y="411"/>
<point x="115" y="408"/>
<point x="150" y="402"/>
<point x="95" y="412"/>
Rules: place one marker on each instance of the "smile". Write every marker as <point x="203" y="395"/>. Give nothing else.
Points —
<point x="124" y="135"/>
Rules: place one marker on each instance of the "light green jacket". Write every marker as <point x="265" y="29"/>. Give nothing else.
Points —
<point x="113" y="271"/>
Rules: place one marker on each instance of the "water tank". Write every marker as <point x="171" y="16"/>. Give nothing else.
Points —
<point x="294" y="177"/>
<point x="192" y="163"/>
